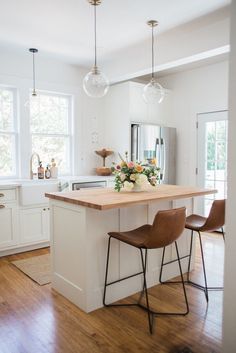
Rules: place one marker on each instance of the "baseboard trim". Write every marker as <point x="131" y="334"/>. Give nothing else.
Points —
<point x="21" y="249"/>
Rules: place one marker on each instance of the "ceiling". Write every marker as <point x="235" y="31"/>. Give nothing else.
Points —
<point x="65" y="27"/>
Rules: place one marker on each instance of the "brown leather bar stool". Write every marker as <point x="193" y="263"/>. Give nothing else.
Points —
<point x="196" y="223"/>
<point x="165" y="230"/>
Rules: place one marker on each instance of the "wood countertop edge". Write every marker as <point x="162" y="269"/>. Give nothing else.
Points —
<point x="125" y="203"/>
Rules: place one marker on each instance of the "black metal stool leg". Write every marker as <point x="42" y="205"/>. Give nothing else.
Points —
<point x="145" y="264"/>
<point x="223" y="233"/>
<point x="150" y="312"/>
<point x="190" y="255"/>
<point x="106" y="284"/>
<point x="106" y="273"/>
<point x="182" y="278"/>
<point x="150" y="316"/>
<point x="204" y="268"/>
<point x="155" y="313"/>
<point x="162" y="264"/>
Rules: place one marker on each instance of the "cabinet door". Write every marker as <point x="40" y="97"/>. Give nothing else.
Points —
<point x="34" y="225"/>
<point x="8" y="225"/>
<point x="111" y="183"/>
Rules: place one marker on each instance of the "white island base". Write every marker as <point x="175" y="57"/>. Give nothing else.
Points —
<point x="79" y="246"/>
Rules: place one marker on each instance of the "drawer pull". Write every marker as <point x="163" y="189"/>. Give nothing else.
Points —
<point x="2" y="206"/>
<point x="2" y="195"/>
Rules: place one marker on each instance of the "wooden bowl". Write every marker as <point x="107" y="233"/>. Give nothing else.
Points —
<point x="103" y="171"/>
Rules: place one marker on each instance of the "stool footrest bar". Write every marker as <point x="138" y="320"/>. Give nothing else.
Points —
<point x="122" y="279"/>
<point x="170" y="262"/>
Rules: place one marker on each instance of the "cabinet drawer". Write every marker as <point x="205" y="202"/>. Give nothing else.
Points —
<point x="7" y="195"/>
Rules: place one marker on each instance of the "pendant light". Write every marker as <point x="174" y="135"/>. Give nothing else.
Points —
<point x="153" y="91"/>
<point x="33" y="96"/>
<point x="95" y="83"/>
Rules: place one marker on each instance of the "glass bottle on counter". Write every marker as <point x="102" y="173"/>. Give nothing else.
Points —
<point x="54" y="169"/>
<point x="40" y="171"/>
<point x="47" y="172"/>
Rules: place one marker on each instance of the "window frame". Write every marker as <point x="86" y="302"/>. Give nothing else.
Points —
<point x="14" y="132"/>
<point x="70" y="134"/>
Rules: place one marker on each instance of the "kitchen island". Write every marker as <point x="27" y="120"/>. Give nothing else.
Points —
<point x="80" y="221"/>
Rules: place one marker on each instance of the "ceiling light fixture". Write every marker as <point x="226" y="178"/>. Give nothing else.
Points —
<point x="153" y="91"/>
<point x="34" y="93"/>
<point x="95" y="82"/>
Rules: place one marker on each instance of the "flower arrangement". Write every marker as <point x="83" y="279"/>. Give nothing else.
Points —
<point x="130" y="175"/>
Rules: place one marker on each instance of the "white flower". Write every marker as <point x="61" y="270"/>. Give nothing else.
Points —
<point x="128" y="186"/>
<point x="141" y="179"/>
<point x="132" y="177"/>
<point x="122" y="176"/>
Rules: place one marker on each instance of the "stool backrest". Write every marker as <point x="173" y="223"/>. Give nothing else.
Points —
<point x="216" y="218"/>
<point x="166" y="228"/>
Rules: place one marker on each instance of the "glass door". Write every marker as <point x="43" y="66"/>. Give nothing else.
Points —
<point x="212" y="155"/>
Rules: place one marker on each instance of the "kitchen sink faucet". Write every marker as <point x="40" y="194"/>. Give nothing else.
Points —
<point x="31" y="163"/>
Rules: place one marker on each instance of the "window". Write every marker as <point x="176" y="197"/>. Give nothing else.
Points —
<point x="8" y="133"/>
<point x="51" y="129"/>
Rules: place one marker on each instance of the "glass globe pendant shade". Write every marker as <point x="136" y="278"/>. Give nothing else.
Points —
<point x="95" y="83"/>
<point x="153" y="92"/>
<point x="32" y="100"/>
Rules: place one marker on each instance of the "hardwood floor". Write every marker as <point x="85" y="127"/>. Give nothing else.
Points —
<point x="35" y="319"/>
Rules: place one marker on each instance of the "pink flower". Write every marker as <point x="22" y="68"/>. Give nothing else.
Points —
<point x="130" y="165"/>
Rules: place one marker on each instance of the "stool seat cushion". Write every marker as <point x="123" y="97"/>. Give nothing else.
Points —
<point x="195" y="222"/>
<point x="136" y="237"/>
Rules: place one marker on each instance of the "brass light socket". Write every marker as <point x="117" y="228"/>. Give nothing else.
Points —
<point x="95" y="2"/>
<point x="152" y="23"/>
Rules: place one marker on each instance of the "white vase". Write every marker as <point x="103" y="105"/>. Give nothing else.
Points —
<point x="137" y="188"/>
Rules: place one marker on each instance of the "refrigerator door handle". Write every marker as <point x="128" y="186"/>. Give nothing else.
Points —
<point x="138" y="144"/>
<point x="163" y="158"/>
<point x="135" y="148"/>
<point x="157" y="152"/>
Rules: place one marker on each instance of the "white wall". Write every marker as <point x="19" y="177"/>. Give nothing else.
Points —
<point x="53" y="75"/>
<point x="203" y="89"/>
<point x="229" y="316"/>
<point x="191" y="39"/>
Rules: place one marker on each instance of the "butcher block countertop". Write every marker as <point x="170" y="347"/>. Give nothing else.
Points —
<point x="108" y="198"/>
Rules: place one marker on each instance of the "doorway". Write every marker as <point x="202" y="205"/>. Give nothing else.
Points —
<point x="212" y="140"/>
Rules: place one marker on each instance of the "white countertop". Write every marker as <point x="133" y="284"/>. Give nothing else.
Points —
<point x="5" y="183"/>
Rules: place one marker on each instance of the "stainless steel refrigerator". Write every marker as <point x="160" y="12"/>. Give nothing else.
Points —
<point x="154" y="141"/>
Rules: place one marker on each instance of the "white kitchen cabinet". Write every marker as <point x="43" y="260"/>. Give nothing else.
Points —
<point x="8" y="225"/>
<point x="34" y="225"/>
<point x="111" y="183"/>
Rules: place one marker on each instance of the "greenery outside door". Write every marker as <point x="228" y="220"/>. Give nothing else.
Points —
<point x="212" y="155"/>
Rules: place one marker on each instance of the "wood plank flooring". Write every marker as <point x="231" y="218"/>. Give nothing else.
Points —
<point x="35" y="319"/>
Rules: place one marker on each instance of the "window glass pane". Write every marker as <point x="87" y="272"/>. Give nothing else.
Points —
<point x="49" y="114"/>
<point x="220" y="172"/>
<point x="211" y="151"/>
<point x="7" y="158"/>
<point x="53" y="147"/>
<point x="210" y="168"/>
<point x="220" y="186"/>
<point x="210" y="129"/>
<point x="209" y="184"/>
<point x="220" y="150"/>
<point x="220" y="130"/>
<point x="6" y="110"/>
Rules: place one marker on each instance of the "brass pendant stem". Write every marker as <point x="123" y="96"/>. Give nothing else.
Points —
<point x="152" y="24"/>
<point x="33" y="51"/>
